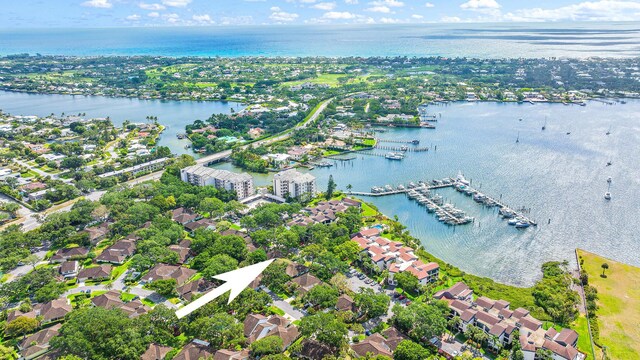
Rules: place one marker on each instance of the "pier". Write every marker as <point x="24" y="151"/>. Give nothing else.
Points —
<point x="414" y="142"/>
<point x="402" y="148"/>
<point x="446" y="212"/>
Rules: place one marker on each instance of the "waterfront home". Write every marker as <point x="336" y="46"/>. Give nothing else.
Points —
<point x="97" y="273"/>
<point x="496" y="318"/>
<point x="37" y="344"/>
<point x="395" y="257"/>
<point x="298" y="152"/>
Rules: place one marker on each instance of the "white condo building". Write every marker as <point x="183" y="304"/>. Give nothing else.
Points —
<point x="292" y="183"/>
<point x="199" y="175"/>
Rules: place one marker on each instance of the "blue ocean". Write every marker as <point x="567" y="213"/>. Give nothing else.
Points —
<point x="579" y="40"/>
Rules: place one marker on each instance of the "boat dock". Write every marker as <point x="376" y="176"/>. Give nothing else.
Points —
<point x="414" y="142"/>
<point x="402" y="148"/>
<point x="447" y="213"/>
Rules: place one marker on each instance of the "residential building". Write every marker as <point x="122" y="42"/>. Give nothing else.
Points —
<point x="164" y="272"/>
<point x="152" y="165"/>
<point x="395" y="257"/>
<point x="195" y="350"/>
<point x="37" y="344"/>
<point x="155" y="352"/>
<point x="119" y="252"/>
<point x="69" y="254"/>
<point x="97" y="273"/>
<point x="241" y="184"/>
<point x="257" y="326"/>
<point x="292" y="183"/>
<point x="496" y="318"/>
<point x="69" y="269"/>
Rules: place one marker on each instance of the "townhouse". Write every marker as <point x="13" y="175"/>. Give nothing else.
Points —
<point x="394" y="257"/>
<point x="496" y="318"/>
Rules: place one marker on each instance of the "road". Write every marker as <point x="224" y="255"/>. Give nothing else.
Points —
<point x="287" y="134"/>
<point x="30" y="219"/>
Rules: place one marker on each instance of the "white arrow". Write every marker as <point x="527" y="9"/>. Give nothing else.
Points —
<point x="235" y="280"/>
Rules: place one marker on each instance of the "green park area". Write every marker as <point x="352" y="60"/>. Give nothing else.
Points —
<point x="618" y="302"/>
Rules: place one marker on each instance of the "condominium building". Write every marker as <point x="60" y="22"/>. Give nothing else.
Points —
<point x="241" y="184"/>
<point x="292" y="183"/>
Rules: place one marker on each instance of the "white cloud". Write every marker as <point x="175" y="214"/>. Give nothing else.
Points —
<point x="134" y="17"/>
<point x="154" y="7"/>
<point x="389" y="21"/>
<point x="238" y="20"/>
<point x="450" y="19"/>
<point x="282" y="16"/>
<point x="153" y="14"/>
<point x="301" y="1"/>
<point x="379" y="9"/>
<point x="339" y="15"/>
<point x="204" y="19"/>
<point x="176" y="3"/>
<point x="325" y="6"/>
<point x="480" y="4"/>
<point x="416" y="16"/>
<point x="388" y="3"/>
<point x="351" y="2"/>
<point x="429" y="5"/>
<point x="103" y="4"/>
<point x="171" y="18"/>
<point x="603" y="10"/>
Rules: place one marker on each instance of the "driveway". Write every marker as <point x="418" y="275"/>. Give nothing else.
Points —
<point x="290" y="312"/>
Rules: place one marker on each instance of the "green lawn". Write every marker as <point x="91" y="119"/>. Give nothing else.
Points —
<point x="117" y="271"/>
<point x="367" y="210"/>
<point x="127" y="296"/>
<point x="584" y="342"/>
<point x="618" y="304"/>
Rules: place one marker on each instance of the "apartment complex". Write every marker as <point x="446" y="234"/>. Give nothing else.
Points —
<point x="496" y="318"/>
<point x="294" y="184"/>
<point x="241" y="184"/>
<point x="395" y="257"/>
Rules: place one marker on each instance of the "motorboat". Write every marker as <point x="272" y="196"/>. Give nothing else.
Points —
<point x="609" y="180"/>
<point x="513" y="222"/>
<point x="522" y="225"/>
<point x="607" y="196"/>
<point x="460" y="179"/>
<point x="394" y="156"/>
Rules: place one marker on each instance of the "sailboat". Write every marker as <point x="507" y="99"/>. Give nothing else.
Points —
<point x="518" y="138"/>
<point x="545" y="124"/>
<point x="609" y="131"/>
<point x="607" y="195"/>
<point x="609" y="163"/>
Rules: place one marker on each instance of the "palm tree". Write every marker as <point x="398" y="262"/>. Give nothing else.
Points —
<point x="604" y="266"/>
<point x="349" y="187"/>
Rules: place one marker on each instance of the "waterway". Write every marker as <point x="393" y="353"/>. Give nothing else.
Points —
<point x="561" y="177"/>
<point x="174" y="115"/>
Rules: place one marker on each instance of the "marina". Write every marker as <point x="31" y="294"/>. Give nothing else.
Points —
<point x="447" y="213"/>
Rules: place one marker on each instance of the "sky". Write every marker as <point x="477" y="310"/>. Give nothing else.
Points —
<point x="123" y="13"/>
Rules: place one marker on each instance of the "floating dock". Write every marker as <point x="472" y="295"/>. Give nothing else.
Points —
<point x="446" y="212"/>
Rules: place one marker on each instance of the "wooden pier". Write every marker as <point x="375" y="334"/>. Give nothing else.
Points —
<point x="410" y="142"/>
